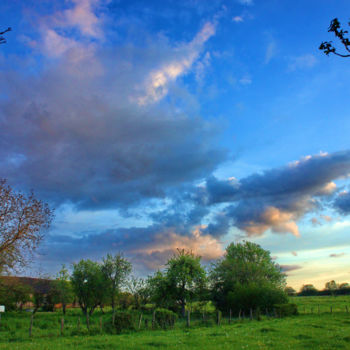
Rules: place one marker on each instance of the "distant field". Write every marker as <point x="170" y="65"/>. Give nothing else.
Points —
<point x="306" y="331"/>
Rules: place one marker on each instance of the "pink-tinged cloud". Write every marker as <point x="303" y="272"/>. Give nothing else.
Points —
<point x="336" y="255"/>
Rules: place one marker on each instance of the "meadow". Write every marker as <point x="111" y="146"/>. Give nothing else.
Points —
<point x="306" y="331"/>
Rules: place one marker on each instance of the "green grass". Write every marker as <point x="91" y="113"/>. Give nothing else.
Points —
<point x="306" y="331"/>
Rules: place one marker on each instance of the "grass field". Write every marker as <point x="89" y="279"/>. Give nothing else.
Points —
<point x="306" y="331"/>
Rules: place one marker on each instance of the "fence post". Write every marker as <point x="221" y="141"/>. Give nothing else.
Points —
<point x="78" y="324"/>
<point x="331" y="309"/>
<point x="101" y="323"/>
<point x="203" y="316"/>
<point x="347" y="310"/>
<point x="188" y="318"/>
<point x="154" y="319"/>
<point x="318" y="309"/>
<point x="31" y="325"/>
<point x="251" y="313"/>
<point x="239" y="315"/>
<point x="140" y="320"/>
<point x="87" y="320"/>
<point x="62" y="325"/>
<point x="230" y="317"/>
<point x="218" y="318"/>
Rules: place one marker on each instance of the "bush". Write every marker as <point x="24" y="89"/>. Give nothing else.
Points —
<point x="165" y="318"/>
<point x="123" y="322"/>
<point x="284" y="310"/>
<point x="254" y="296"/>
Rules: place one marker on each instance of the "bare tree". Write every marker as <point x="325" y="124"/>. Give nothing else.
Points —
<point x="327" y="46"/>
<point x="2" y="39"/>
<point x="23" y="220"/>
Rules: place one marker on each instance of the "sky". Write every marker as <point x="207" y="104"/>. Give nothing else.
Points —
<point x="151" y="126"/>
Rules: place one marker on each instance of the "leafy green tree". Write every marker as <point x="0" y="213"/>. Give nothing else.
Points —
<point x="344" y="285"/>
<point x="115" y="270"/>
<point x="308" y="289"/>
<point x="332" y="287"/>
<point x="327" y="46"/>
<point x="63" y="288"/>
<point x="89" y="285"/>
<point x="186" y="278"/>
<point x="290" y="291"/>
<point x="244" y="266"/>
<point x="158" y="288"/>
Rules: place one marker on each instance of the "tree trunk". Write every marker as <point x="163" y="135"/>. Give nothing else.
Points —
<point x="64" y="308"/>
<point x="183" y="308"/>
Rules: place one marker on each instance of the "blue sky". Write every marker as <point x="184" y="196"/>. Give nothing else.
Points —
<point x="163" y="125"/>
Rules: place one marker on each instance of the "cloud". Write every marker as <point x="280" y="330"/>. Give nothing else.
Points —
<point x="289" y="268"/>
<point x="302" y="62"/>
<point x="157" y="83"/>
<point x="238" y="19"/>
<point x="294" y="253"/>
<point x="276" y="199"/>
<point x="271" y="51"/>
<point x="334" y="255"/>
<point x="246" y="2"/>
<point x="342" y="203"/>
<point x="96" y="147"/>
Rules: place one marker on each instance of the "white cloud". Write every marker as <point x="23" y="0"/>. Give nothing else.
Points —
<point x="157" y="83"/>
<point x="302" y="62"/>
<point x="238" y="19"/>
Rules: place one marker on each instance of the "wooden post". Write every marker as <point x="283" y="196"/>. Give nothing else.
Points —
<point x="274" y="312"/>
<point x="318" y="309"/>
<point x="203" y="315"/>
<point x="154" y="319"/>
<point x="346" y="308"/>
<point x="331" y="309"/>
<point x="239" y="315"/>
<point x="230" y="317"/>
<point x="267" y="312"/>
<point x="31" y="326"/>
<point x="78" y="324"/>
<point x="113" y="317"/>
<point x="140" y="320"/>
<point x="251" y="313"/>
<point x="188" y="318"/>
<point x="218" y="318"/>
<point x="101" y="323"/>
<point x="62" y="325"/>
<point x="87" y="320"/>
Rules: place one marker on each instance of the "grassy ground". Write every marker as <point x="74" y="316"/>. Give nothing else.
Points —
<point x="306" y="331"/>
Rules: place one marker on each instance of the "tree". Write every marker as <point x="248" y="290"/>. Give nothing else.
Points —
<point x="22" y="222"/>
<point x="246" y="267"/>
<point x="308" y="289"/>
<point x="138" y="288"/>
<point x="331" y="286"/>
<point x="89" y="285"/>
<point x="327" y="46"/>
<point x="2" y="39"/>
<point x="63" y="288"/>
<point x="186" y="277"/>
<point x="115" y="270"/>
<point x="290" y="291"/>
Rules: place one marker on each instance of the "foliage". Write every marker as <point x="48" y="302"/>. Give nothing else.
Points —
<point x="287" y="309"/>
<point x="331" y="286"/>
<point x="165" y="318"/>
<point x="115" y="270"/>
<point x="255" y="296"/>
<point x="63" y="290"/>
<point x="327" y="46"/>
<point x="308" y="289"/>
<point x="123" y="321"/>
<point x="245" y="268"/>
<point x="138" y="288"/>
<point x="22" y="222"/>
<point x="186" y="278"/>
<point x="290" y="291"/>
<point x="89" y="285"/>
<point x="14" y="295"/>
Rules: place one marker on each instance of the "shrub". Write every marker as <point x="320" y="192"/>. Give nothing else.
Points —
<point x="165" y="318"/>
<point x="254" y="296"/>
<point x="288" y="309"/>
<point x="123" y="322"/>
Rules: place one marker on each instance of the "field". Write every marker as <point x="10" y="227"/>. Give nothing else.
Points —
<point x="306" y="331"/>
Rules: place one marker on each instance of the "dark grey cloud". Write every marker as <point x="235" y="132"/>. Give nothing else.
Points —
<point x="289" y="268"/>
<point x="276" y="199"/>
<point x="76" y="133"/>
<point x="336" y="255"/>
<point x="342" y="203"/>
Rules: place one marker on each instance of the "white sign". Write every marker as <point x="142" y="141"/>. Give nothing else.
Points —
<point x="2" y="308"/>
